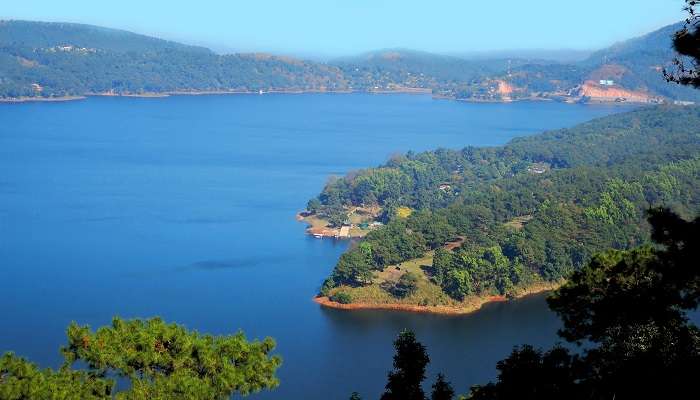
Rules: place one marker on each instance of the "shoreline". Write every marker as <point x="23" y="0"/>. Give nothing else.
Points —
<point x="408" y="91"/>
<point x="473" y="305"/>
<point x="24" y="99"/>
<point x="319" y="229"/>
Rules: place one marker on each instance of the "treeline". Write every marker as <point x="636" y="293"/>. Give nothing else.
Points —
<point x="40" y="59"/>
<point x="52" y="59"/>
<point x="625" y="318"/>
<point x="535" y="209"/>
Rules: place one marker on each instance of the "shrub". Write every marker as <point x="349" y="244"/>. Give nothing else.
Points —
<point x="405" y="286"/>
<point x="341" y="297"/>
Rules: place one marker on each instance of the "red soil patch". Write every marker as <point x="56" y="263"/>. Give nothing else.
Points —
<point x="595" y="91"/>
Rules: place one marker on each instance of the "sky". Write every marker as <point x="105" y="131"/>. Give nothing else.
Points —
<point x="337" y="28"/>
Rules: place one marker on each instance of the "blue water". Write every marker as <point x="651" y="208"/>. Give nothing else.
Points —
<point x="184" y="208"/>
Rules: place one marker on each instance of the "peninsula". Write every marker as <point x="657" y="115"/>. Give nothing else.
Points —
<point x="456" y="229"/>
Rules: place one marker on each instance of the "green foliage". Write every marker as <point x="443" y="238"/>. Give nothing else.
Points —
<point x="627" y="288"/>
<point x="73" y="59"/>
<point x="335" y="215"/>
<point x="529" y="373"/>
<point x="161" y="361"/>
<point x="442" y="390"/>
<point x="619" y="204"/>
<point x="476" y="271"/>
<point x="686" y="42"/>
<point x="22" y="380"/>
<point x="434" y="228"/>
<point x="313" y="206"/>
<point x="352" y="268"/>
<point x="341" y="297"/>
<point x="602" y="176"/>
<point x="410" y="361"/>
<point x="630" y="308"/>
<point x="405" y="286"/>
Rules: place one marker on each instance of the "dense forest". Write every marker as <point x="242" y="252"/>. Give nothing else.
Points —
<point x="40" y="59"/>
<point x="630" y="308"/>
<point x="533" y="210"/>
<point x="51" y="59"/>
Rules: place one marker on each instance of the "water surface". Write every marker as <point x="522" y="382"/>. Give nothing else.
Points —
<point x="184" y="208"/>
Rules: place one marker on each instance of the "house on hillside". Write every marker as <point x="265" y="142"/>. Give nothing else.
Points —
<point x="537" y="168"/>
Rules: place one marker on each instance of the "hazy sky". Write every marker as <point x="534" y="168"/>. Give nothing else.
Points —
<point x="332" y="27"/>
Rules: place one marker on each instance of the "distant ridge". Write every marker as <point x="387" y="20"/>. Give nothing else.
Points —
<point x="51" y="60"/>
<point x="49" y="34"/>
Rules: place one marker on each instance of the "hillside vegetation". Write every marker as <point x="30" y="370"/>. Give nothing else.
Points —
<point x="530" y="212"/>
<point x="44" y="60"/>
<point x="52" y="59"/>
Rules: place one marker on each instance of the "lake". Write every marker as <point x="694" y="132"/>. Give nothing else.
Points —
<point x="183" y="208"/>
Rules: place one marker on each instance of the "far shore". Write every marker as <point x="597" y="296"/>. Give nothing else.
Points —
<point x="25" y="99"/>
<point x="471" y="305"/>
<point x="416" y="91"/>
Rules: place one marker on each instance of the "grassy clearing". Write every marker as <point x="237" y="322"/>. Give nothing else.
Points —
<point x="427" y="293"/>
<point x="357" y="217"/>
<point x="517" y="223"/>
<point x="315" y="222"/>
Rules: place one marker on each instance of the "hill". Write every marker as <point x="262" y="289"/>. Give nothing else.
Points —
<point x="400" y="68"/>
<point x="39" y="59"/>
<point x="627" y="71"/>
<point x="58" y="59"/>
<point x="480" y="222"/>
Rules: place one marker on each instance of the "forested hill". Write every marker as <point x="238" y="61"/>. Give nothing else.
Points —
<point x="38" y="35"/>
<point x="57" y="59"/>
<point x="629" y="70"/>
<point x="401" y="68"/>
<point x="530" y="211"/>
<point x="39" y="59"/>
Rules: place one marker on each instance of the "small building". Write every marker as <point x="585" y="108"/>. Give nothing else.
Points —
<point x="344" y="231"/>
<point x="606" y="82"/>
<point x="445" y="187"/>
<point x="538" y="168"/>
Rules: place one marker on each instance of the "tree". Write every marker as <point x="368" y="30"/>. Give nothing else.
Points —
<point x="442" y="390"/>
<point x="353" y="269"/>
<point x="531" y="374"/>
<point x="405" y="286"/>
<point x="161" y="361"/>
<point x="633" y="304"/>
<point x="687" y="43"/>
<point x="630" y="308"/>
<point x="410" y="361"/>
<point x="355" y="396"/>
<point x="458" y="284"/>
<point x="22" y="380"/>
<point x="314" y="205"/>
